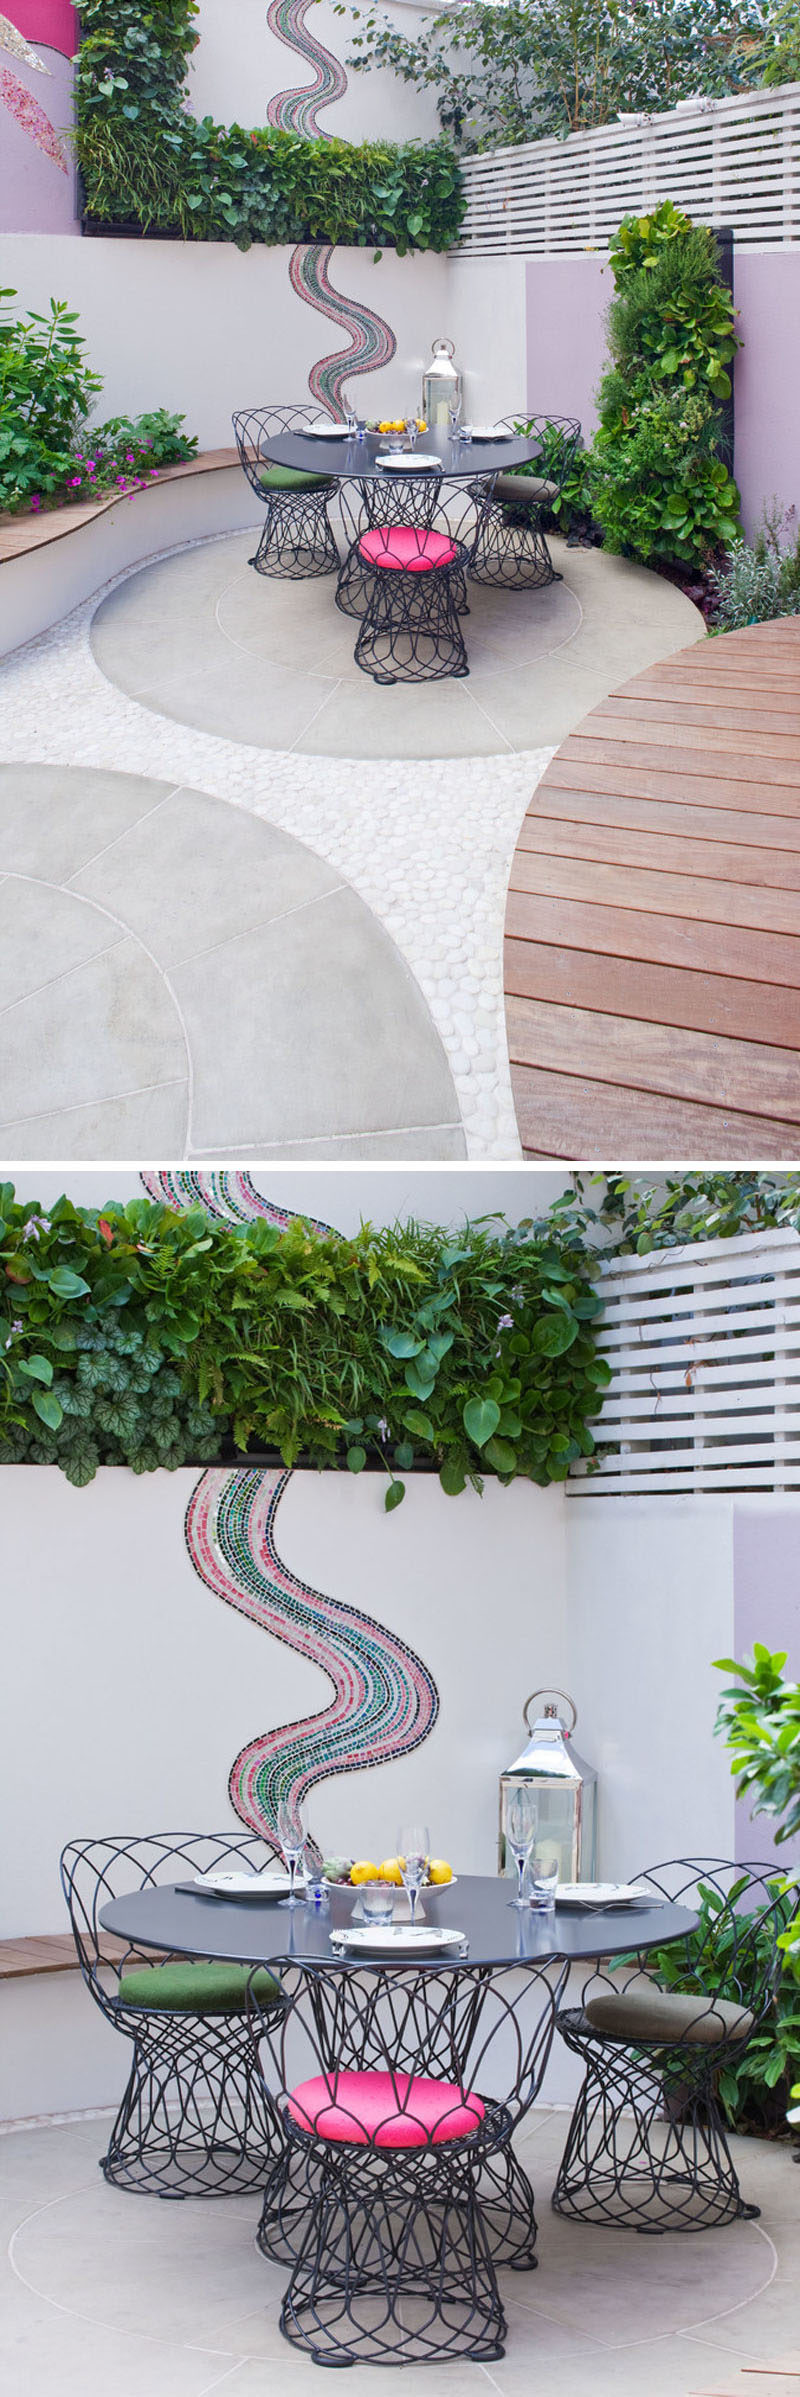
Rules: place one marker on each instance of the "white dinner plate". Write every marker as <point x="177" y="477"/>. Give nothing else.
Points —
<point x="604" y="1893"/>
<point x="397" y="1939"/>
<point x="246" y="1885"/>
<point x="324" y="432"/>
<point x="494" y="432"/>
<point x="408" y="460"/>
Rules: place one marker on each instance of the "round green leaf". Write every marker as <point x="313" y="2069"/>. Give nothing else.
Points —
<point x="480" y="1418"/>
<point x="394" y="1496"/>
<point x="356" y="1458"/>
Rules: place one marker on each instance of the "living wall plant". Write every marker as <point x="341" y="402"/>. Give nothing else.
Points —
<point x="147" y="162"/>
<point x="660" y="487"/>
<point x="143" y="1336"/>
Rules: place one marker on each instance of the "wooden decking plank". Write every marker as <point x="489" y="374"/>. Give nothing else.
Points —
<point x="656" y="993"/>
<point x="741" y="904"/>
<point x="598" y="811"/>
<point x="588" y="747"/>
<point x="672" y="734"/>
<point x="664" y="853"/>
<point x="587" y="772"/>
<point x="700" y="1066"/>
<point x="673" y="940"/>
<point x="652" y="955"/>
<point x="563" y="1115"/>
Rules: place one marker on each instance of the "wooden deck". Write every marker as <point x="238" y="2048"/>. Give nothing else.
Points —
<point x="652" y="955"/>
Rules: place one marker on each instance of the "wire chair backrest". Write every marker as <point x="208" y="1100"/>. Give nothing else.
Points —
<point x="483" y="2030"/>
<point x="254" y="428"/>
<point x="734" y="1953"/>
<point x="95" y="1871"/>
<point x="558" y="438"/>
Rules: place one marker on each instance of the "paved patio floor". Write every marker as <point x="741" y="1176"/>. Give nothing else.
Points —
<point x="105" y="2292"/>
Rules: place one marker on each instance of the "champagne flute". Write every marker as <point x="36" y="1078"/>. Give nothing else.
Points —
<point x="292" y="1836"/>
<point x="413" y="1849"/>
<point x="520" y="1827"/>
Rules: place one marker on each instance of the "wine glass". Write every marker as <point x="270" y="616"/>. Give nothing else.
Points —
<point x="521" y="1820"/>
<point x="292" y="1836"/>
<point x="454" y="413"/>
<point x="413" y="1849"/>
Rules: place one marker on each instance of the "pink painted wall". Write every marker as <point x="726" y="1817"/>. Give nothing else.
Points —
<point x="566" y="302"/>
<point x="766" y="1606"/>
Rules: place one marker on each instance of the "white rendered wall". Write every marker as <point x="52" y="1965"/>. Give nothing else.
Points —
<point x="485" y="317"/>
<point x="206" y="328"/>
<point x="650" y="1603"/>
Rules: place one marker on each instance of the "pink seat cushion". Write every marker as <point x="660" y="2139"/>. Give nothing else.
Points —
<point x="403" y="545"/>
<point x="384" y="2109"/>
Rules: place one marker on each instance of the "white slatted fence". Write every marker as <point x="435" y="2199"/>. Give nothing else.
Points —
<point x="704" y="1348"/>
<point x="727" y="162"/>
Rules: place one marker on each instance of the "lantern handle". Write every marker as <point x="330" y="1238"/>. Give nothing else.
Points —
<point x="449" y="348"/>
<point x="551" y="1693"/>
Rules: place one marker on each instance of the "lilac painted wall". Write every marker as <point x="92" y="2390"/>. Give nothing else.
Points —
<point x="766" y="1606"/>
<point x="36" y="194"/>
<point x="767" y="293"/>
<point x="566" y="302"/>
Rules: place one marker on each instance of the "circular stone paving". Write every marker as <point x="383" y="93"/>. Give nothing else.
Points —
<point x="202" y="638"/>
<point x="179" y="978"/>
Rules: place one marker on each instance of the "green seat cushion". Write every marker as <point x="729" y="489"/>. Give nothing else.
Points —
<point x="291" y="478"/>
<point x="189" y="1988"/>
<point x="642" y="2011"/>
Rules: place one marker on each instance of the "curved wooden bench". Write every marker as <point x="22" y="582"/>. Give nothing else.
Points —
<point x="18" y="534"/>
<point x="652" y="953"/>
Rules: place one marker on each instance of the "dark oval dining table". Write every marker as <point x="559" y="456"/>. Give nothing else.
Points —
<point x="188" y="1922"/>
<point x="357" y="461"/>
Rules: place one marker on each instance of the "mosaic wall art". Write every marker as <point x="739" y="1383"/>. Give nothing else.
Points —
<point x="21" y="103"/>
<point x="385" y="1702"/>
<point x="229" y="1197"/>
<point x="370" y="341"/>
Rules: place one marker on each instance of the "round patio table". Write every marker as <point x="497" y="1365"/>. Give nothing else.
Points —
<point x="348" y="461"/>
<point x="477" y="2019"/>
<point x="189" y="1922"/>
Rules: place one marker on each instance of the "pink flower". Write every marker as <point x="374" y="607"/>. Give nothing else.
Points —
<point x="75" y="482"/>
<point x="129" y="458"/>
<point x="122" y="480"/>
<point x="36" y="501"/>
<point x="152" y="472"/>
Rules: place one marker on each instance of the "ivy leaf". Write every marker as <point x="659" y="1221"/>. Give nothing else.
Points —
<point x="452" y="1477"/>
<point x="420" y="1384"/>
<point x="553" y="1334"/>
<point x="37" y="1369"/>
<point x="394" y="1496"/>
<point x="48" y="1408"/>
<point x="501" y="1456"/>
<point x="419" y="1424"/>
<point x="480" y="1418"/>
<point x="402" y="1344"/>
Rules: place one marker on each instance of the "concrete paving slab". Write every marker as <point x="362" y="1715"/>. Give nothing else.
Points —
<point x="103" y="1030"/>
<point x="45" y="934"/>
<point x="335" y="1037"/>
<point x="192" y="873"/>
<point x="141" y="1123"/>
<point x="51" y="828"/>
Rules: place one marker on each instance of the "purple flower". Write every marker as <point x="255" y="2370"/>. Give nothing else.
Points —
<point x="122" y="481"/>
<point x="75" y="481"/>
<point x="36" y="502"/>
<point x="129" y="458"/>
<point x="152" y="472"/>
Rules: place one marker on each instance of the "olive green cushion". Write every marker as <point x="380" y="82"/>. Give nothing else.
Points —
<point x="290" y="478"/>
<point x="526" y="486"/>
<point x="644" y="2012"/>
<point x="189" y="1988"/>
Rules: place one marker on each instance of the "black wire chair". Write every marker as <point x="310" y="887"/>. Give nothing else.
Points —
<point x="511" y="547"/>
<point x="397" y="2193"/>
<point x="297" y="540"/>
<point x="409" y="540"/>
<point x="647" y="2148"/>
<point x="193" y="2119"/>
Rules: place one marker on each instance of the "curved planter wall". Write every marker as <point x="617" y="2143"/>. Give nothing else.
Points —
<point x="43" y="584"/>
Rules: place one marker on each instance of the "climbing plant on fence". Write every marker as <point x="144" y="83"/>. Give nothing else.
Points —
<point x="143" y="1336"/>
<point x="147" y="163"/>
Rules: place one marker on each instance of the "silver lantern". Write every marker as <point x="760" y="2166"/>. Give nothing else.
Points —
<point x="565" y="1787"/>
<point x="441" y="386"/>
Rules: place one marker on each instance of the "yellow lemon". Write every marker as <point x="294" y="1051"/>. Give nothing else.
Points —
<point x="439" y="1871"/>
<point x="384" y="426"/>
<point x="392" y="1870"/>
<point x="363" y="1872"/>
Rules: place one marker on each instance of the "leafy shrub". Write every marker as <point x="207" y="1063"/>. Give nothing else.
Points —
<point x="759" y="580"/>
<point x="475" y="1354"/>
<point x="146" y="161"/>
<point x="526" y="68"/>
<point x="46" y="392"/>
<point x="125" y="453"/>
<point x="660" y="488"/>
<point x="572" y="504"/>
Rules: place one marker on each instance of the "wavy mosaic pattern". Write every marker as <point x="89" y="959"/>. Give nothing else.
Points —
<point x="296" y="111"/>
<point x="384" y="1700"/>
<point x="229" y="1197"/>
<point x="372" y="342"/>
<point x="14" y="42"/>
<point x="26" y="112"/>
